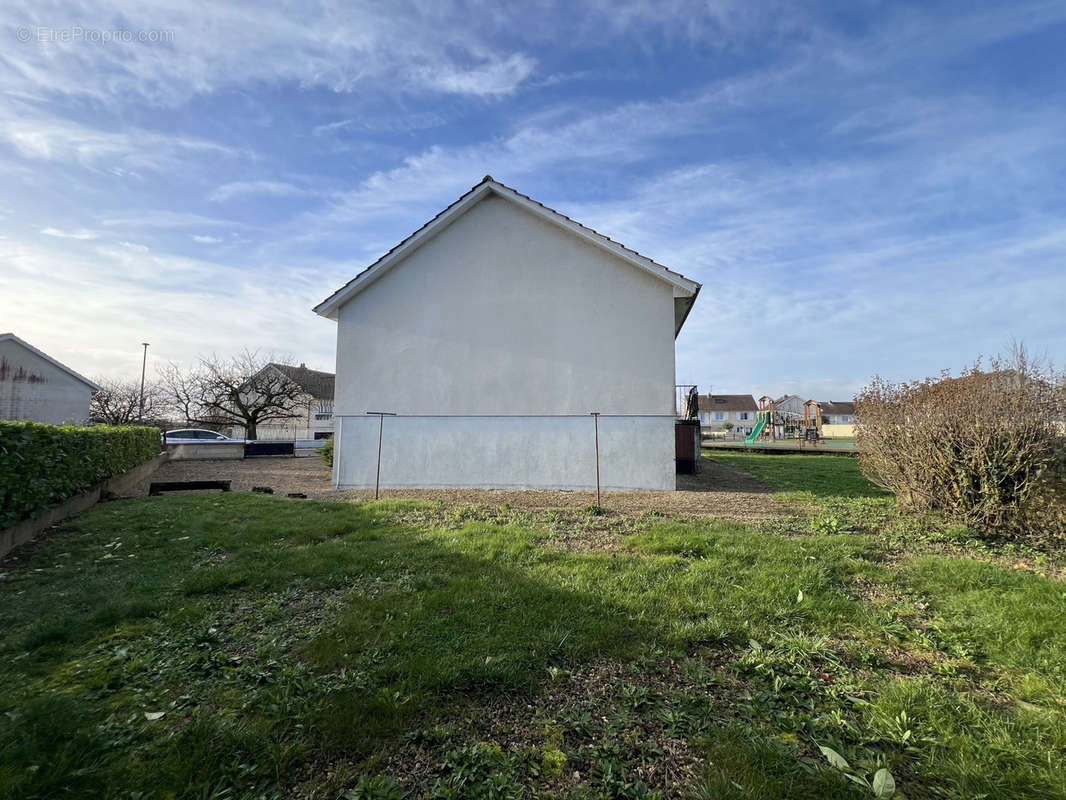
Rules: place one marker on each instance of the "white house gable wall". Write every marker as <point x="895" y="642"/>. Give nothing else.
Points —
<point x="493" y="342"/>
<point x="504" y="313"/>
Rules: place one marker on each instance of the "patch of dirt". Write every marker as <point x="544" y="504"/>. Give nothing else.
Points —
<point x="719" y="490"/>
<point x="308" y="475"/>
<point x="239" y="626"/>
<point x="569" y="529"/>
<point x="587" y="708"/>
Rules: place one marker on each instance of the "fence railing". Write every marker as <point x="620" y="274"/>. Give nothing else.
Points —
<point x="277" y="433"/>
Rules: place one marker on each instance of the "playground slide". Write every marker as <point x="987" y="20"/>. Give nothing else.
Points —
<point x="757" y="430"/>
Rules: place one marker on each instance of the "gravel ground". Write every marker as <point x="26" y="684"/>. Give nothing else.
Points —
<point x="718" y="490"/>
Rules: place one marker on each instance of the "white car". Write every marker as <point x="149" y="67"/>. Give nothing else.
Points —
<point x="196" y="436"/>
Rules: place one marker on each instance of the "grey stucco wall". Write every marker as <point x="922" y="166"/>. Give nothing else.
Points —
<point x="507" y="453"/>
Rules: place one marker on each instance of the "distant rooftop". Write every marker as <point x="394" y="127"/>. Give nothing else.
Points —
<point x="728" y="402"/>
<point x="320" y="385"/>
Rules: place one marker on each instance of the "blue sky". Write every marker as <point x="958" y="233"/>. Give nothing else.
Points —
<point x="861" y="187"/>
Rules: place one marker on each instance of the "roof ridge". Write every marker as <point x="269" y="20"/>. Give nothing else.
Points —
<point x="298" y="366"/>
<point x="587" y="228"/>
<point x="492" y="182"/>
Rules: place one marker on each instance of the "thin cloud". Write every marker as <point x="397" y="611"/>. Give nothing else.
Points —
<point x="81" y="233"/>
<point x="496" y="77"/>
<point x="402" y="122"/>
<point x="44" y="138"/>
<point x="165" y="220"/>
<point x="333" y="127"/>
<point x="211" y="47"/>
<point x="249" y="188"/>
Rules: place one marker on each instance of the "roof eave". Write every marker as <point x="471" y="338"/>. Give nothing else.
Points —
<point x="688" y="309"/>
<point x="678" y="281"/>
<point x="76" y="375"/>
<point x="331" y="305"/>
<point x="328" y="308"/>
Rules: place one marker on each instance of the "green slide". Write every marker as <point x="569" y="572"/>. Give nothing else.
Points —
<point x="751" y="437"/>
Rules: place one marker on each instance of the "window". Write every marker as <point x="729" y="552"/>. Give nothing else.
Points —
<point x="718" y="416"/>
<point x="323" y="416"/>
<point x="845" y="419"/>
<point x="743" y="415"/>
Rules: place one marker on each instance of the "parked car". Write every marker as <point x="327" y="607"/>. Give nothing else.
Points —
<point x="196" y="436"/>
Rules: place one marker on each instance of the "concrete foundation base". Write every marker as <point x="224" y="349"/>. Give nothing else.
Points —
<point x="506" y="453"/>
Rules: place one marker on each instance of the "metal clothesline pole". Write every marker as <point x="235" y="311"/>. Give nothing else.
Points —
<point x="596" y="428"/>
<point x="381" y="427"/>
<point x="144" y="365"/>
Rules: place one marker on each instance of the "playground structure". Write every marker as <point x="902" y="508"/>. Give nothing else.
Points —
<point x="812" y="421"/>
<point x="775" y="424"/>
<point x="763" y="417"/>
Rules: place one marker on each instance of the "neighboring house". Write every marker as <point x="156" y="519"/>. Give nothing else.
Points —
<point x="788" y="415"/>
<point x="492" y="333"/>
<point x="790" y="405"/>
<point x="838" y="418"/>
<point x="837" y="413"/>
<point x="35" y="386"/>
<point x="313" y="416"/>
<point x="718" y="409"/>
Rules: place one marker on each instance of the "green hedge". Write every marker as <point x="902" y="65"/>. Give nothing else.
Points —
<point x="325" y="452"/>
<point x="41" y="465"/>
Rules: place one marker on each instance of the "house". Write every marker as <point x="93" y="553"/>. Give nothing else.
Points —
<point x="788" y="415"/>
<point x="489" y="337"/>
<point x="790" y="405"/>
<point x="313" y="415"/>
<point x="837" y="413"/>
<point x="718" y="409"/>
<point x="838" y="418"/>
<point x="34" y="386"/>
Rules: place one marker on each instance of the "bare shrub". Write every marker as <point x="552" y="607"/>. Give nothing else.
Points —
<point x="988" y="447"/>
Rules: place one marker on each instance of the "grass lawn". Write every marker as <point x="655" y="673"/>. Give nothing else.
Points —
<point x="830" y="476"/>
<point x="240" y="645"/>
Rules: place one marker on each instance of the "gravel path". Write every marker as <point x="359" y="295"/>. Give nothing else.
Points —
<point x="718" y="491"/>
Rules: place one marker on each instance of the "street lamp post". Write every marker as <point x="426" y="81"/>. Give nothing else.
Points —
<point x="144" y="363"/>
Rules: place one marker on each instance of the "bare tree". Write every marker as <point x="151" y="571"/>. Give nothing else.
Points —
<point x="181" y="392"/>
<point x="244" y="390"/>
<point x="118" y="401"/>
